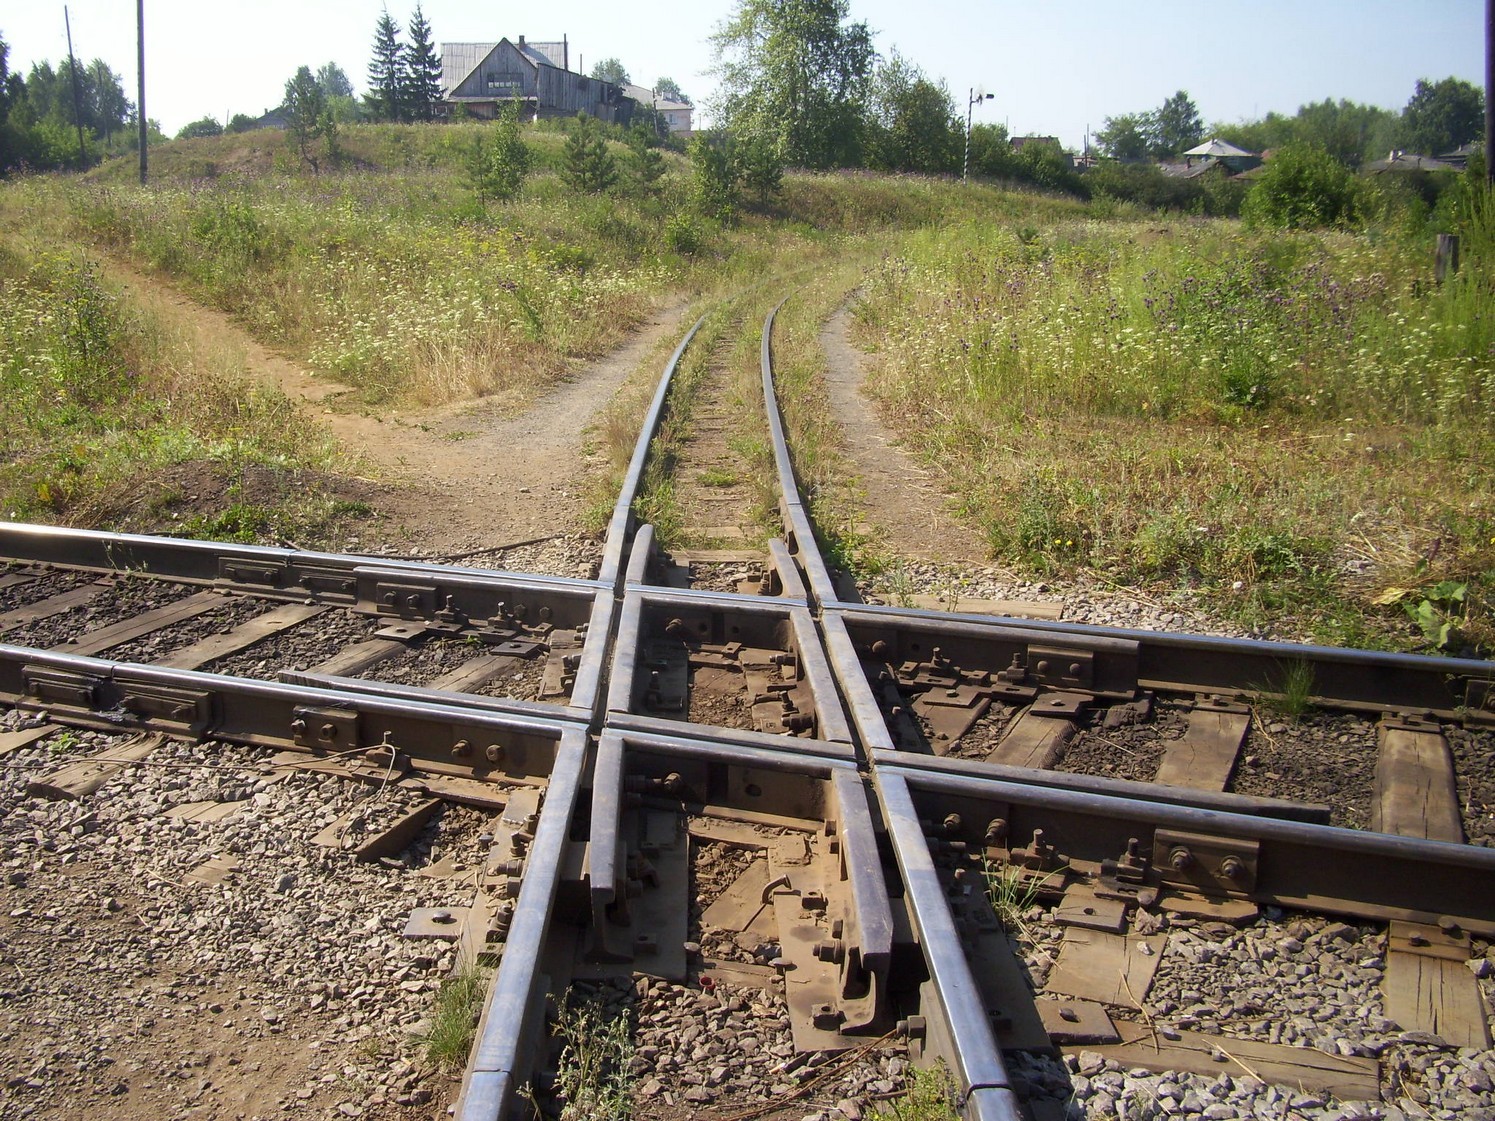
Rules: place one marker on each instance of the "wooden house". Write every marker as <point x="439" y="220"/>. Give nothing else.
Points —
<point x="481" y="77"/>
<point x="676" y="114"/>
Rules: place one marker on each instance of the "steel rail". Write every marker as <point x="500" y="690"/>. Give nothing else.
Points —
<point x="437" y="737"/>
<point x="957" y="1026"/>
<point x="274" y="573"/>
<point x="1089" y="820"/>
<point x="798" y="527"/>
<point x="725" y="617"/>
<point x="612" y="570"/>
<point x="1354" y="680"/>
<point x="512" y="1022"/>
<point x="1305" y="865"/>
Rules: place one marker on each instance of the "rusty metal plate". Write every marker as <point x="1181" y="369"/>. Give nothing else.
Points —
<point x="1076" y="1021"/>
<point x="1082" y="907"/>
<point x="1063" y="706"/>
<point x="1208" y="864"/>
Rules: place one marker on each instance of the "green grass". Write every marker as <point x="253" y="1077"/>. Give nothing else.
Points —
<point x="930" y="1096"/>
<point x="718" y="477"/>
<point x="1290" y="423"/>
<point x="593" y="1079"/>
<point x="1012" y="892"/>
<point x="1289" y="693"/>
<point x="448" y="1038"/>
<point x="99" y="398"/>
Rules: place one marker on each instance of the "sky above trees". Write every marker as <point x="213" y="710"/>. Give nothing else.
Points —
<point x="1055" y="69"/>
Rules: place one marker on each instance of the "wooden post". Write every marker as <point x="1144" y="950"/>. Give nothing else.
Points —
<point x="1446" y="263"/>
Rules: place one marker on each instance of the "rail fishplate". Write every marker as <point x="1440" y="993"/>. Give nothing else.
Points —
<point x="192" y="709"/>
<point x="1209" y="864"/>
<point x="409" y="601"/>
<point x="78" y="690"/>
<point x="260" y="574"/>
<point x="330" y="729"/>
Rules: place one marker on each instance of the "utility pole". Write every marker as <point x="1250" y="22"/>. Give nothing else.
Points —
<point x="140" y="50"/>
<point x="1490" y="93"/>
<point x="981" y="95"/>
<point x="72" y="65"/>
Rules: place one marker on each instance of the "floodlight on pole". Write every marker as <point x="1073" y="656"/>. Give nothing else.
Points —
<point x="977" y="94"/>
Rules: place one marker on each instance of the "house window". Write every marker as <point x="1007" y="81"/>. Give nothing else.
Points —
<point x="504" y="85"/>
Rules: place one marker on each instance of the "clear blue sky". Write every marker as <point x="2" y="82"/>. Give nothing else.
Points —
<point x="1055" y="68"/>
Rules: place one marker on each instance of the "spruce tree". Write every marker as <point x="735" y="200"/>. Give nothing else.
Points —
<point x="387" y="72"/>
<point x="589" y="167"/>
<point x="422" y="70"/>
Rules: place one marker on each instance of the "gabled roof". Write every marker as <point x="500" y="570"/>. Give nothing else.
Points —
<point x="1217" y="148"/>
<point x="645" y="96"/>
<point x="460" y="60"/>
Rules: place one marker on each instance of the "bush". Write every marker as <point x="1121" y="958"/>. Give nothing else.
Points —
<point x="498" y="162"/>
<point x="714" y="178"/>
<point x="682" y="233"/>
<point x="1302" y="188"/>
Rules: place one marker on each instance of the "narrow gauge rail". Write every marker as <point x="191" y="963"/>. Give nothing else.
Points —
<point x="875" y="762"/>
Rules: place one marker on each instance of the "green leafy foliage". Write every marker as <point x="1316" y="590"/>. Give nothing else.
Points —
<point x="714" y="176"/>
<point x="645" y="162"/>
<point x="1442" y="115"/>
<point x="912" y="124"/>
<point x="206" y="126"/>
<point x="611" y="70"/>
<point x="499" y="159"/>
<point x="1437" y="613"/>
<point x="1301" y="188"/>
<point x="762" y="169"/>
<point x="420" y="86"/>
<point x="386" y="72"/>
<point x="594" y="1080"/>
<point x="795" y="72"/>
<point x="309" y="118"/>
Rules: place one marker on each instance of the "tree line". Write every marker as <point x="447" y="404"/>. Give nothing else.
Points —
<point x="1438" y="118"/>
<point x="40" y="120"/>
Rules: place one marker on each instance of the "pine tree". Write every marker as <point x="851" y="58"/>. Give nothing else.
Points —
<point x="387" y="72"/>
<point x="645" y="164"/>
<point x="422" y="70"/>
<point x="590" y="167"/>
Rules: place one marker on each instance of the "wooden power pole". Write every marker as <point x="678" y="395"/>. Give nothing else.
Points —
<point x="72" y="66"/>
<point x="140" y="50"/>
<point x="1490" y="92"/>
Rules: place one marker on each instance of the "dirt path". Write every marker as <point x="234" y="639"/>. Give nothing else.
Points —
<point x="900" y="500"/>
<point x="463" y="477"/>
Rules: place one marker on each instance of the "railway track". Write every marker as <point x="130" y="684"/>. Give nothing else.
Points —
<point x="849" y="838"/>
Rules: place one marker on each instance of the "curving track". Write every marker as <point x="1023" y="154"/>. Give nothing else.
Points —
<point x="848" y="778"/>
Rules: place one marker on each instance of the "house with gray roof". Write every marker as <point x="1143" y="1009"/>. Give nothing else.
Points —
<point x="676" y="114"/>
<point x="482" y="77"/>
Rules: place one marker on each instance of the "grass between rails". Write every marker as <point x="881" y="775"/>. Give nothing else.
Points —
<point x="1299" y="424"/>
<point x="448" y="1034"/>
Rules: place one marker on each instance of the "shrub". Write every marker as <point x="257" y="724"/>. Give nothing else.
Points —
<point x="1302" y="187"/>
<point x="498" y="162"/>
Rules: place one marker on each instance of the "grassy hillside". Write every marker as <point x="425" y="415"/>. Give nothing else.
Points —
<point x="1291" y="422"/>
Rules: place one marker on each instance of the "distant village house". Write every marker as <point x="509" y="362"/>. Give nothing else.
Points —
<point x="480" y="78"/>
<point x="676" y="114"/>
